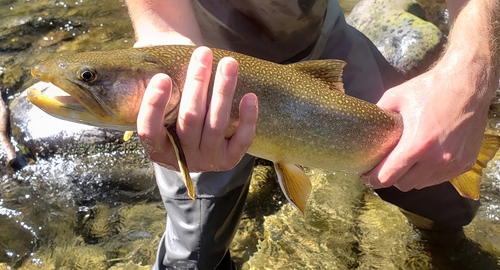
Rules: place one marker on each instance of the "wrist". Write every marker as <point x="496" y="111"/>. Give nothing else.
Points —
<point x="156" y="39"/>
<point x="473" y="78"/>
<point x="471" y="58"/>
<point x="165" y="22"/>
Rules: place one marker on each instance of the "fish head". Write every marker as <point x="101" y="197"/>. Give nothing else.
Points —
<point x="105" y="88"/>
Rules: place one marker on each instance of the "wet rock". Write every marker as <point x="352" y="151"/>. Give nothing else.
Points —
<point x="25" y="225"/>
<point x="54" y="37"/>
<point x="17" y="239"/>
<point x="96" y="223"/>
<point x="18" y="28"/>
<point x="436" y="13"/>
<point x="399" y="31"/>
<point x="12" y="77"/>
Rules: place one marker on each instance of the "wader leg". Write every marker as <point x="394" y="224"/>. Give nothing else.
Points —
<point x="441" y="204"/>
<point x="200" y="231"/>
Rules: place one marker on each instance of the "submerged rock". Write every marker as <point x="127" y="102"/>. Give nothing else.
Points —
<point x="325" y="238"/>
<point x="17" y="238"/>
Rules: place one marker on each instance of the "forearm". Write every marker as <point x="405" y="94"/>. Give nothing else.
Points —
<point x="164" y="22"/>
<point x="473" y="46"/>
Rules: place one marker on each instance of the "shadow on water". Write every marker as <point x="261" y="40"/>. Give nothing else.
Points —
<point x="73" y="211"/>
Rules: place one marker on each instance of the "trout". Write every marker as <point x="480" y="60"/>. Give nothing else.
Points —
<point x="305" y="118"/>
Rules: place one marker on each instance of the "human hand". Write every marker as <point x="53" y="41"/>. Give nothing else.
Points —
<point x="201" y="128"/>
<point x="444" y="115"/>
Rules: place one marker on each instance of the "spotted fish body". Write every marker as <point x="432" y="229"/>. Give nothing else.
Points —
<point x="304" y="116"/>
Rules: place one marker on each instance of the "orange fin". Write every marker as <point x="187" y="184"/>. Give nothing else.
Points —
<point x="468" y="183"/>
<point x="294" y="183"/>
<point x="127" y="135"/>
<point x="181" y="159"/>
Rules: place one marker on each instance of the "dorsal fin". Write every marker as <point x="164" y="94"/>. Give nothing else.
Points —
<point x="328" y="71"/>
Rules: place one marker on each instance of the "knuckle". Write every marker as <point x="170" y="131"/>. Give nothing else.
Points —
<point x="217" y="127"/>
<point x="229" y="164"/>
<point x="444" y="160"/>
<point x="199" y="74"/>
<point x="447" y="158"/>
<point x="242" y="147"/>
<point x="189" y="119"/>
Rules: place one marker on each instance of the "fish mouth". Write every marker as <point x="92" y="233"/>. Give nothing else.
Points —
<point x="58" y="103"/>
<point x="68" y="99"/>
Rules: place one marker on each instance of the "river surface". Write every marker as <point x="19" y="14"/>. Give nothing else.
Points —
<point x="346" y="226"/>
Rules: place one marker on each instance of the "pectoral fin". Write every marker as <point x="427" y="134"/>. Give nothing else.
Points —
<point x="467" y="184"/>
<point x="181" y="159"/>
<point x="127" y="135"/>
<point x="294" y="183"/>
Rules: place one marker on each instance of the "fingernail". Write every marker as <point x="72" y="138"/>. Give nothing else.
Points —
<point x="228" y="68"/>
<point x="251" y="100"/>
<point x="201" y="55"/>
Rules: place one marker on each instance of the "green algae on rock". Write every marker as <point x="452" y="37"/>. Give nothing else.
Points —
<point x="397" y="28"/>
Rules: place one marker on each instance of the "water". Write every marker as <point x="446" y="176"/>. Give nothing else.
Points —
<point x="55" y="215"/>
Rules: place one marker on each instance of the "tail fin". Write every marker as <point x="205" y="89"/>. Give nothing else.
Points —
<point x="467" y="184"/>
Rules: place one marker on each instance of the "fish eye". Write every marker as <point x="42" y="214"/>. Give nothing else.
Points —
<point x="87" y="75"/>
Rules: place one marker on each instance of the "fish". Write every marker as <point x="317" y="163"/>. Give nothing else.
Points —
<point x="305" y="117"/>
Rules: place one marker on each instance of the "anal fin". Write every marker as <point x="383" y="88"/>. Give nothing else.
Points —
<point x="181" y="159"/>
<point x="294" y="183"/>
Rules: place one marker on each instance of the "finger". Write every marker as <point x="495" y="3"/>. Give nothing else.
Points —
<point x="245" y="132"/>
<point x="140" y="44"/>
<point x="440" y="176"/>
<point x="193" y="105"/>
<point x="221" y="103"/>
<point x="391" y="169"/>
<point x="413" y="177"/>
<point x="150" y="118"/>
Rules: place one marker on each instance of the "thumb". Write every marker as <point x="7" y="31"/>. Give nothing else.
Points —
<point x="391" y="99"/>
